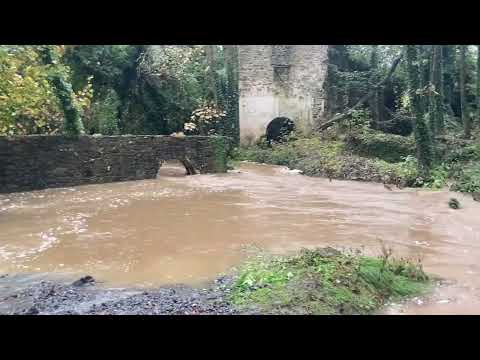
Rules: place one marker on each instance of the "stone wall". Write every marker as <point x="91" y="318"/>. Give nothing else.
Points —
<point x="37" y="162"/>
<point x="281" y="81"/>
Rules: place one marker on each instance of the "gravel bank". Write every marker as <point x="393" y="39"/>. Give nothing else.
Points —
<point x="49" y="297"/>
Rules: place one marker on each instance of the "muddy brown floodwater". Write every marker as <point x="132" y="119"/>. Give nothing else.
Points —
<point x="190" y="229"/>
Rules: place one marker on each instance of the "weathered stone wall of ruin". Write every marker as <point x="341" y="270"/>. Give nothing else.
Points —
<point x="37" y="162"/>
<point x="281" y="80"/>
<point x="255" y="70"/>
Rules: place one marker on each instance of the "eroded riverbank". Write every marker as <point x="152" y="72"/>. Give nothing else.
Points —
<point x="155" y="233"/>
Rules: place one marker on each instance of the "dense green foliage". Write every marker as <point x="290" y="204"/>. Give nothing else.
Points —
<point x="35" y="92"/>
<point x="105" y="114"/>
<point x="324" y="281"/>
<point x="125" y="89"/>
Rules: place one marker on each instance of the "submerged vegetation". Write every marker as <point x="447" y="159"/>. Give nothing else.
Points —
<point x="325" y="281"/>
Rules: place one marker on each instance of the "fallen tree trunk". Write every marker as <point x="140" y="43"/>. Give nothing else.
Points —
<point x="364" y="99"/>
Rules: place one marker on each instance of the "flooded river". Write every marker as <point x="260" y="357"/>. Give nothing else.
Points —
<point x="179" y="229"/>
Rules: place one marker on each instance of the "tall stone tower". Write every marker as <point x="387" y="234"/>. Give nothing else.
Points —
<point x="280" y="81"/>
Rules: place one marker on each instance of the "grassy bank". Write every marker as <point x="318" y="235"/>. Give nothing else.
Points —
<point x="374" y="156"/>
<point x="325" y="281"/>
<point x="331" y="158"/>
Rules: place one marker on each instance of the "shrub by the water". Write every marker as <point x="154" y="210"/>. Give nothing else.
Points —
<point x="468" y="180"/>
<point x="459" y="168"/>
<point x="377" y="144"/>
<point x="325" y="281"/>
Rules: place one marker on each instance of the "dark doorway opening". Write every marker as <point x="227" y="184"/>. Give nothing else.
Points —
<point x="278" y="129"/>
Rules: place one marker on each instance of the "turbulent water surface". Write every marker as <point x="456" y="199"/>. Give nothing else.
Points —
<point x="179" y="229"/>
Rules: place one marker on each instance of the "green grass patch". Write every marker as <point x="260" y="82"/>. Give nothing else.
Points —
<point x="325" y="281"/>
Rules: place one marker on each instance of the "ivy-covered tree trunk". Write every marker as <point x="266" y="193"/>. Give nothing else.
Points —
<point x="448" y="61"/>
<point x="436" y="96"/>
<point x="377" y="101"/>
<point x="463" y="96"/>
<point x="425" y="53"/>
<point x="231" y="64"/>
<point x="422" y="136"/>
<point x="73" y="125"/>
<point x="424" y="59"/>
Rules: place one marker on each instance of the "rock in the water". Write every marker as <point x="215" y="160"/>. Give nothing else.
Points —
<point x="84" y="280"/>
<point x="454" y="203"/>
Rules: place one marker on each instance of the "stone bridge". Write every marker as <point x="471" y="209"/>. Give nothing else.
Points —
<point x="45" y="161"/>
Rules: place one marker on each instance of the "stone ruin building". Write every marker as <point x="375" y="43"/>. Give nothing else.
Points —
<point x="281" y="83"/>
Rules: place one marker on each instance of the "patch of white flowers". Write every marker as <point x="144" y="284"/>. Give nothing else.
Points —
<point x="204" y="119"/>
<point x="189" y="126"/>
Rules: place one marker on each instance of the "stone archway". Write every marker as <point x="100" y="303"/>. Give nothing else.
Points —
<point x="176" y="168"/>
<point x="278" y="128"/>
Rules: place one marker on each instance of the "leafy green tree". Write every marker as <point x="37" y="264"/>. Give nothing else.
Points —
<point x="58" y="78"/>
<point x="108" y="65"/>
<point x="28" y="104"/>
